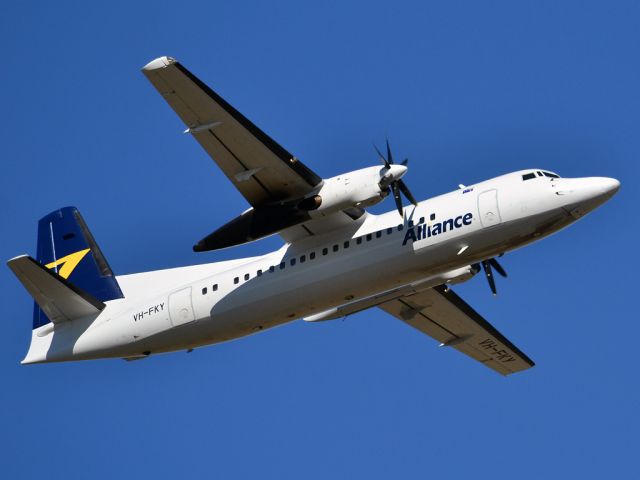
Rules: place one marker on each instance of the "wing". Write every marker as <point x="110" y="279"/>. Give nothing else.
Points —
<point x="443" y="315"/>
<point x="260" y="168"/>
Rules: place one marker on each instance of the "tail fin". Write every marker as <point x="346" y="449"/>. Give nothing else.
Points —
<point x="66" y="246"/>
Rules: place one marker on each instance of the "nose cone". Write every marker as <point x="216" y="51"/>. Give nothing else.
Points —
<point x="587" y="194"/>
<point x="609" y="186"/>
<point x="599" y="189"/>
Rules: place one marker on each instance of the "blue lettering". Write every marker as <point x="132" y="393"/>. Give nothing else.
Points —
<point x="411" y="234"/>
<point x="426" y="231"/>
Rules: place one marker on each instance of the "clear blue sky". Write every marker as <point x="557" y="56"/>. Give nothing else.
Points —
<point x="466" y="90"/>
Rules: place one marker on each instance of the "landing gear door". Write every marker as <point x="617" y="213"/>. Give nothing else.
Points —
<point x="180" y="307"/>
<point x="488" y="208"/>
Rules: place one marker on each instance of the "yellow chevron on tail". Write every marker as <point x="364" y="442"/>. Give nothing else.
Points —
<point x="69" y="263"/>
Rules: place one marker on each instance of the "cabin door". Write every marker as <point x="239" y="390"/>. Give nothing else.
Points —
<point x="488" y="208"/>
<point x="180" y="307"/>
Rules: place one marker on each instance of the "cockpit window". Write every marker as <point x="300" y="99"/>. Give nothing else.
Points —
<point x="540" y="173"/>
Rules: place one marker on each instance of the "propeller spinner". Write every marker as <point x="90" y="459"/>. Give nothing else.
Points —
<point x="392" y="180"/>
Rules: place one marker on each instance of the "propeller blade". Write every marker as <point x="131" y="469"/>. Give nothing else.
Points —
<point x="487" y="271"/>
<point x="389" y="156"/>
<point x="494" y="263"/>
<point x="384" y="160"/>
<point x="397" y="198"/>
<point x="404" y="189"/>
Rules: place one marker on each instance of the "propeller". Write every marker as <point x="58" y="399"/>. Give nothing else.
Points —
<point x="392" y="181"/>
<point x="487" y="265"/>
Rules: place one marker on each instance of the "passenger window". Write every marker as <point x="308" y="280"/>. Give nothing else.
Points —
<point x="292" y="262"/>
<point x="389" y="231"/>
<point x="378" y="233"/>
<point x="246" y="277"/>
<point x="259" y="273"/>
<point x="325" y="251"/>
<point x="369" y="237"/>
<point x="236" y="280"/>
<point x="272" y="269"/>
<point x="421" y="220"/>
<point x="410" y="223"/>
<point x="400" y="227"/>
<point x="215" y="287"/>
<point x="432" y="217"/>
<point x="335" y="248"/>
<point x="312" y="255"/>
<point x="359" y="240"/>
<point x="204" y="291"/>
<point x="282" y="265"/>
<point x="346" y="244"/>
<point x="303" y="258"/>
<point x="528" y="176"/>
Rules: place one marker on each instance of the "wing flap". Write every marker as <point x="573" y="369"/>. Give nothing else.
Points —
<point x="444" y="316"/>
<point x="59" y="300"/>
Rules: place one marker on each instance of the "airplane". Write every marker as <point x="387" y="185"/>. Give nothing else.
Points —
<point x="337" y="258"/>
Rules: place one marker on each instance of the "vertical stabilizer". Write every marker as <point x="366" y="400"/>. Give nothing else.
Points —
<point x="66" y="246"/>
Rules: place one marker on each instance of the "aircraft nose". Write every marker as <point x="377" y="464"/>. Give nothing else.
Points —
<point x="586" y="194"/>
<point x="600" y="188"/>
<point x="609" y="186"/>
<point x="597" y="187"/>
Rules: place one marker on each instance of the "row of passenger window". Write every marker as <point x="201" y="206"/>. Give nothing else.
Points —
<point x="325" y="251"/>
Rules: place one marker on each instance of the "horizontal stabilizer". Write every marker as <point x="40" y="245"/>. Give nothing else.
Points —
<point x="58" y="299"/>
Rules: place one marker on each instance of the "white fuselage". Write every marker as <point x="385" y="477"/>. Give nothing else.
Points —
<point x="188" y="307"/>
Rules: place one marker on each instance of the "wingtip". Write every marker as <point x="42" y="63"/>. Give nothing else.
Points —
<point x="160" y="62"/>
<point x="16" y="258"/>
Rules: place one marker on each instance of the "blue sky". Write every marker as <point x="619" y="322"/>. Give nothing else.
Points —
<point x="467" y="91"/>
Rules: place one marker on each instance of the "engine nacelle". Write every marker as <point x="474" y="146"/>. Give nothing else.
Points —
<point x="459" y="275"/>
<point x="451" y="277"/>
<point x="360" y="188"/>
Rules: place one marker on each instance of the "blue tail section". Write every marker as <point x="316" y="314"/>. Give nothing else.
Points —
<point x="66" y="246"/>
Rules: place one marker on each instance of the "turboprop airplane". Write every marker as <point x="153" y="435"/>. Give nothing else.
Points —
<point x="337" y="259"/>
